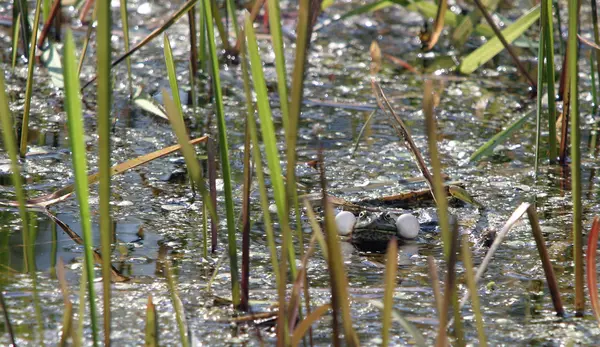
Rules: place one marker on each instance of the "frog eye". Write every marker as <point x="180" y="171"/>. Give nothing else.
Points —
<point x="362" y="214"/>
<point x="387" y="215"/>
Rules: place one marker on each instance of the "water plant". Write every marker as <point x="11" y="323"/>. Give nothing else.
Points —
<point x="273" y="151"/>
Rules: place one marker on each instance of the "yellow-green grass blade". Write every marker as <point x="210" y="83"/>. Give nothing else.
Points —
<point x="151" y="339"/>
<point x="499" y="138"/>
<point x="224" y="153"/>
<point x="125" y="25"/>
<point x="277" y="41"/>
<point x="549" y="41"/>
<point x="397" y="316"/>
<point x="177" y="305"/>
<point x="491" y="48"/>
<point x="29" y="84"/>
<point x="391" y="269"/>
<point x="189" y="154"/>
<point x="172" y="73"/>
<point x="11" y="148"/>
<point x="467" y="24"/>
<point x="470" y="278"/>
<point x="267" y="130"/>
<point x="438" y="184"/>
<point x="104" y="102"/>
<point x="256" y="155"/>
<point x="15" y="41"/>
<point x="78" y="152"/>
<point x="572" y="71"/>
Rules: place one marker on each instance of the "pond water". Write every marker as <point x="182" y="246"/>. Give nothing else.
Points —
<point x="157" y="216"/>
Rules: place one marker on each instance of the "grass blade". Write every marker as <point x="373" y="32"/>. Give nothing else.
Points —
<point x="29" y="85"/>
<point x="11" y="149"/>
<point x="277" y="40"/>
<point x="438" y="184"/>
<point x="125" y="25"/>
<point x="337" y="271"/>
<point x="177" y="306"/>
<point x="272" y="156"/>
<point x="151" y="324"/>
<point x="15" y="41"/>
<point x="499" y="138"/>
<point x="470" y="278"/>
<point x="307" y="322"/>
<point x="104" y="102"/>
<point x="418" y="338"/>
<point x="264" y="200"/>
<point x="391" y="268"/>
<point x="224" y="154"/>
<point x="78" y="149"/>
<point x="172" y="73"/>
<point x="546" y="263"/>
<point x="489" y="50"/>
<point x="191" y="161"/>
<point x="549" y="40"/>
<point x="575" y="157"/>
<point x="438" y="25"/>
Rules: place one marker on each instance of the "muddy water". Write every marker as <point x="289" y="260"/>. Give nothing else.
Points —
<point x="157" y="216"/>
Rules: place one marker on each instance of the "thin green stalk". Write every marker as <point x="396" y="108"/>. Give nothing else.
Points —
<point x="46" y="9"/>
<point x="256" y="156"/>
<point x="272" y="156"/>
<point x="470" y="278"/>
<point x="78" y="149"/>
<point x="103" y="97"/>
<point x="20" y="9"/>
<point x="125" y="24"/>
<point x="11" y="149"/>
<point x="438" y="184"/>
<point x="575" y="158"/>
<point x="151" y="339"/>
<point x="83" y="283"/>
<point x="86" y="42"/>
<point x="29" y="85"/>
<point x="540" y="93"/>
<point x="15" y="41"/>
<point x="202" y="40"/>
<point x="224" y="154"/>
<point x="172" y="73"/>
<point x="391" y="268"/>
<point x="177" y="305"/>
<point x="231" y="11"/>
<point x="549" y="41"/>
<point x="277" y="41"/>
<point x="218" y="21"/>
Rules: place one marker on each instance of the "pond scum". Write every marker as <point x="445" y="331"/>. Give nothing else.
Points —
<point x="295" y="315"/>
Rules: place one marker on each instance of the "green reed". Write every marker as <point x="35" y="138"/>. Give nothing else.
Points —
<point x="78" y="152"/>
<point x="104" y="102"/>
<point x="125" y="25"/>
<point x="224" y="153"/>
<point x="575" y="157"/>
<point x="29" y="84"/>
<point x="12" y="150"/>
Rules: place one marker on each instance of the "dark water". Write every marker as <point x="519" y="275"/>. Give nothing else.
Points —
<point x="156" y="217"/>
